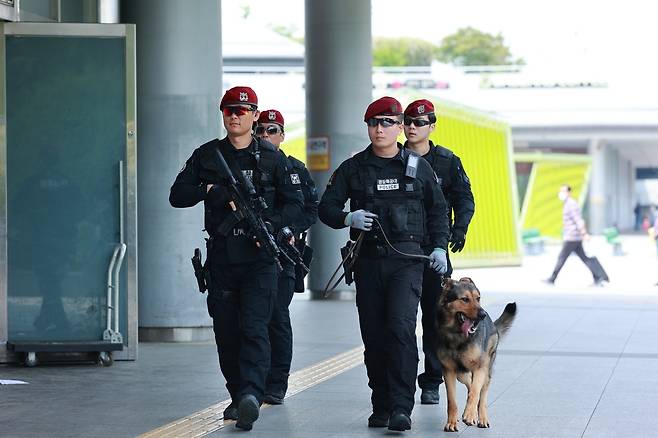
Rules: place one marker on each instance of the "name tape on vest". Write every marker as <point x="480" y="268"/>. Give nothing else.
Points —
<point x="248" y="173"/>
<point x="388" y="184"/>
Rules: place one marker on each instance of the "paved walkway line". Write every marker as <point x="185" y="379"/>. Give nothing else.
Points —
<point x="210" y="419"/>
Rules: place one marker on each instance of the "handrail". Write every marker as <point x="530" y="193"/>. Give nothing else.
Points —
<point x="122" y="252"/>
<point x="110" y="270"/>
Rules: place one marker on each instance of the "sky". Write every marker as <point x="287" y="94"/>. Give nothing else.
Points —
<point x="617" y="38"/>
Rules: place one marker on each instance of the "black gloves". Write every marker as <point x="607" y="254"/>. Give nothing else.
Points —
<point x="457" y="240"/>
<point x="284" y="235"/>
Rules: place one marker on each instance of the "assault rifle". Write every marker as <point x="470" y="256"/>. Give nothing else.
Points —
<point x="250" y="210"/>
<point x="289" y="251"/>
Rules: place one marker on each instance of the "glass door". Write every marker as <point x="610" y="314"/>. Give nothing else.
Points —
<point x="69" y="178"/>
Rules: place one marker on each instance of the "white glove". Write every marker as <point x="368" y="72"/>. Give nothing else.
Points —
<point x="360" y="219"/>
<point x="438" y="260"/>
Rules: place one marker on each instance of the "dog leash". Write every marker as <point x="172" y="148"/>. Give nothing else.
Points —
<point x="416" y="256"/>
<point x="354" y="250"/>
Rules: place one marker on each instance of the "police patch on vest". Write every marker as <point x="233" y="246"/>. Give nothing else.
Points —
<point x="388" y="184"/>
<point x="249" y="174"/>
<point x="294" y="177"/>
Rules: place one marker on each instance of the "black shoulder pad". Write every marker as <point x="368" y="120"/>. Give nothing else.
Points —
<point x="443" y="152"/>
<point x="266" y="145"/>
<point x="212" y="144"/>
<point x="352" y="165"/>
<point x="207" y="152"/>
<point x="296" y="164"/>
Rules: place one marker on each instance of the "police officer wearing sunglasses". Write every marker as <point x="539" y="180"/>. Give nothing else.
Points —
<point x="270" y="127"/>
<point x="243" y="279"/>
<point x="393" y="194"/>
<point x="419" y="123"/>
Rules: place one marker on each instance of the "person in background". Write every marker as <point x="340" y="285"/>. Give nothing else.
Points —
<point x="637" y="211"/>
<point x="419" y="123"/>
<point x="271" y="128"/>
<point x="243" y="285"/>
<point x="574" y="231"/>
<point x="655" y="235"/>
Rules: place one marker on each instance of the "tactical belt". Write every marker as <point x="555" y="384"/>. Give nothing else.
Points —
<point x="350" y="258"/>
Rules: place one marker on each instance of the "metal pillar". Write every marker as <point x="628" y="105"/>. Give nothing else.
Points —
<point x="108" y="11"/>
<point x="338" y="90"/>
<point x="178" y="88"/>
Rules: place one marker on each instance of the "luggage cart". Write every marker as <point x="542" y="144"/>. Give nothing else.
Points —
<point x="112" y="339"/>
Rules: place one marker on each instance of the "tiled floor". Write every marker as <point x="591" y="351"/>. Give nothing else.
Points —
<point x="578" y="362"/>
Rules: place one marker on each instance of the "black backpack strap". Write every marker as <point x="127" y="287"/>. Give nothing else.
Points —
<point x="266" y="159"/>
<point x="295" y="163"/>
<point x="441" y="163"/>
<point x="368" y="177"/>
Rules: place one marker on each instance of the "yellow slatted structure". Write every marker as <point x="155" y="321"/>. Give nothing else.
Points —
<point x="295" y="147"/>
<point x="484" y="146"/>
<point x="542" y="210"/>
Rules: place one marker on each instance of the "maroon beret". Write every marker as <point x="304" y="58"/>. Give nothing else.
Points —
<point x="239" y="96"/>
<point x="385" y="106"/>
<point x="271" y="116"/>
<point x="419" y="108"/>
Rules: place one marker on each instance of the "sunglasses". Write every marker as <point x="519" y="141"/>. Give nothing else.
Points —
<point x="238" y="110"/>
<point x="385" y="122"/>
<point x="417" y="122"/>
<point x="271" y="130"/>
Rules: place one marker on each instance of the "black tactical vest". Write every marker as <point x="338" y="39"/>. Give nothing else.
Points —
<point x="258" y="166"/>
<point x="392" y="194"/>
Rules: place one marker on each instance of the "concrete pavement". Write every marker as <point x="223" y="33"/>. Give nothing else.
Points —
<point x="579" y="361"/>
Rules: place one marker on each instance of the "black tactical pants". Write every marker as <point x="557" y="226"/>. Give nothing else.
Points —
<point x="240" y="304"/>
<point x="280" y="331"/>
<point x="387" y="296"/>
<point x="432" y="377"/>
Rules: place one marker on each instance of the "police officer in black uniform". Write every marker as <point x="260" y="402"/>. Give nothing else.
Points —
<point x="394" y="194"/>
<point x="243" y="278"/>
<point x="271" y="128"/>
<point x="419" y="122"/>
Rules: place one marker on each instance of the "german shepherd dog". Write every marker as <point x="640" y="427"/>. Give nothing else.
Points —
<point x="466" y="347"/>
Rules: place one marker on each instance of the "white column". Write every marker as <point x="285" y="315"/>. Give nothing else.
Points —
<point x="338" y="90"/>
<point x="179" y="76"/>
<point x="597" y="191"/>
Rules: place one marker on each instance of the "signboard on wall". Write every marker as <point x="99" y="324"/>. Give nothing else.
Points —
<point x="317" y="153"/>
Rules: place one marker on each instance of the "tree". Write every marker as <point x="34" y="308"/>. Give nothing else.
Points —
<point x="394" y="52"/>
<point x="469" y="46"/>
<point x="288" y="31"/>
<point x="246" y="11"/>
